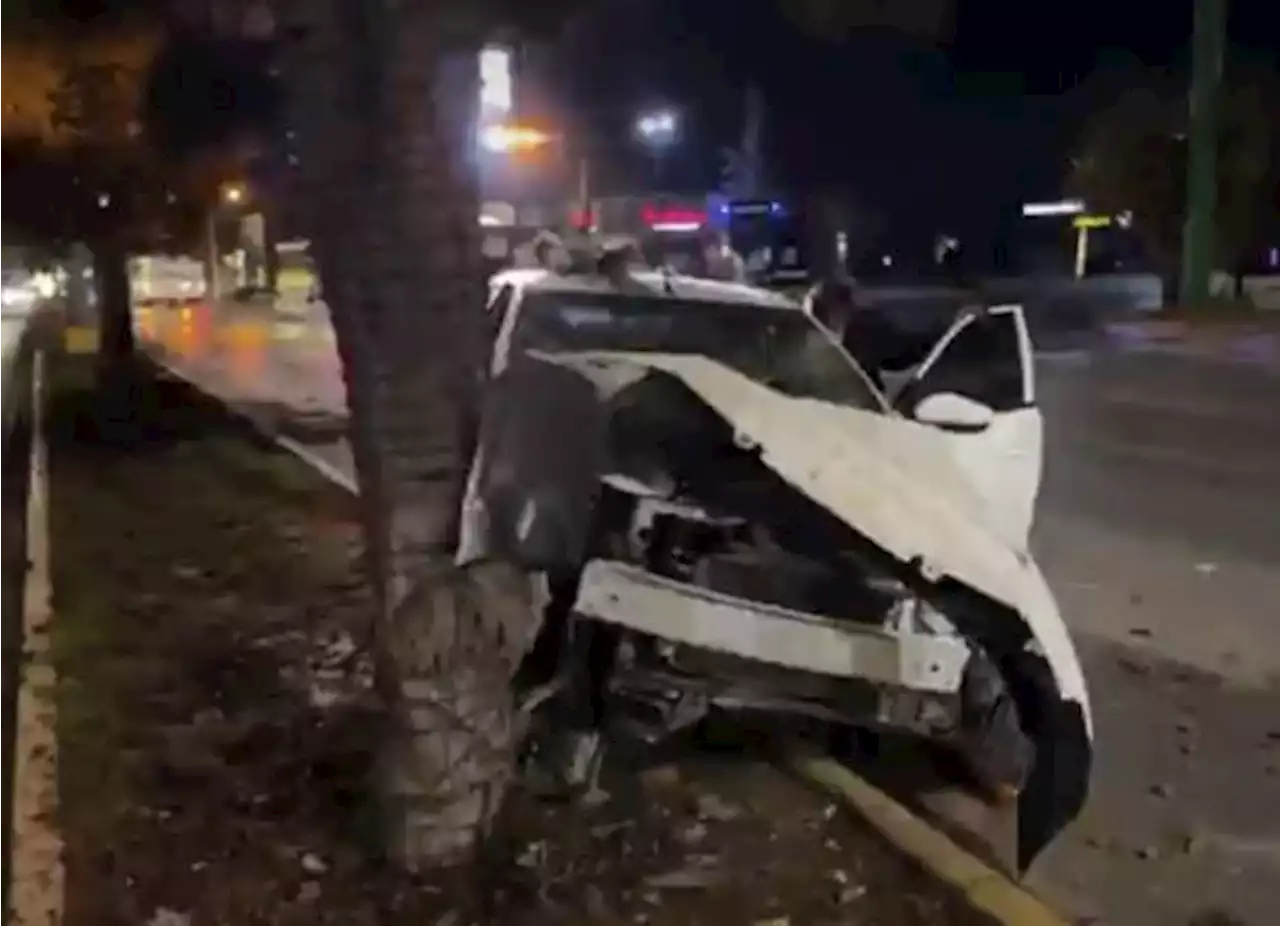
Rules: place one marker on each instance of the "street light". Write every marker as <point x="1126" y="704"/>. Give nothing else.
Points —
<point x="657" y="128"/>
<point x="505" y="138"/>
<point x="657" y="131"/>
<point x="229" y="194"/>
<point x="512" y="138"/>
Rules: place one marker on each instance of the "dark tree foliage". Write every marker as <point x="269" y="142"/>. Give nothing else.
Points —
<point x="203" y="90"/>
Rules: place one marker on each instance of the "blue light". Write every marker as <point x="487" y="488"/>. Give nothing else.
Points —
<point x="752" y="207"/>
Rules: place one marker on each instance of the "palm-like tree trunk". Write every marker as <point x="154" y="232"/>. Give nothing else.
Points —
<point x="393" y="216"/>
<point x="111" y="277"/>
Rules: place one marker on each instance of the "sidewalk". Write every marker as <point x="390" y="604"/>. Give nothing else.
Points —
<point x="215" y="725"/>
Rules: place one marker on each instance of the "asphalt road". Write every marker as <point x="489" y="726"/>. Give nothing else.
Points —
<point x="1159" y="528"/>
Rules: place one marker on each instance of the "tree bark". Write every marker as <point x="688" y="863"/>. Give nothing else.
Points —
<point x="115" y="315"/>
<point x="393" y="212"/>
<point x="270" y="248"/>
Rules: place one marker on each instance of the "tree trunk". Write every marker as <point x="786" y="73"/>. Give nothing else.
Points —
<point x="392" y="212"/>
<point x="79" y="309"/>
<point x="115" y="315"/>
<point x="270" y="249"/>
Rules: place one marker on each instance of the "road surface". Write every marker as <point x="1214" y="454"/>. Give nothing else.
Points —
<point x="1159" y="528"/>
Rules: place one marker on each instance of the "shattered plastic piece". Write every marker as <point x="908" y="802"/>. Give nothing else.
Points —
<point x="691" y="876"/>
<point x="163" y="916"/>
<point x="714" y="807"/>
<point x="532" y="855"/>
<point x="694" y="832"/>
<point x="605" y="830"/>
<point x="850" y="894"/>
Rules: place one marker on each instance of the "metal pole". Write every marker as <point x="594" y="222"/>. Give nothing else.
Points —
<point x="1208" y="46"/>
<point x="213" y="284"/>
<point x="584" y="192"/>
<point x="1082" y="251"/>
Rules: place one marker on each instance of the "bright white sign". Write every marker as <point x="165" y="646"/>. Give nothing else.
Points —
<point x="495" y="80"/>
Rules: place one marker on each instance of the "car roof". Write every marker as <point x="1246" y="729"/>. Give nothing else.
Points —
<point x="686" y="288"/>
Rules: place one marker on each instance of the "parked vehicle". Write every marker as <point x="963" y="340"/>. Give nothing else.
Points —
<point x="158" y="279"/>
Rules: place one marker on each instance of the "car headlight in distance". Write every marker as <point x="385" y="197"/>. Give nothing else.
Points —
<point x="44" y="284"/>
<point x="17" y="297"/>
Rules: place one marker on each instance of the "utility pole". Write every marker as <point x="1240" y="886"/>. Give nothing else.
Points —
<point x="589" y="218"/>
<point x="212" y="259"/>
<point x="752" y="140"/>
<point x="1198" y="236"/>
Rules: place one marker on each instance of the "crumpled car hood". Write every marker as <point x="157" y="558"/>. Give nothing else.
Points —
<point x="890" y="479"/>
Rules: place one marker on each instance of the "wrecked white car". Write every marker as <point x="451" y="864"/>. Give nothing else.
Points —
<point x="731" y="516"/>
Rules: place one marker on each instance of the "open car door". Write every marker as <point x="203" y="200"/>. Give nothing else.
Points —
<point x="977" y="387"/>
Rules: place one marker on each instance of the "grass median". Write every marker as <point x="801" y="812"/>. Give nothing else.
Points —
<point x="215" y="730"/>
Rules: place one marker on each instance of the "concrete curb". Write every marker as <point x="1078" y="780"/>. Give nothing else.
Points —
<point x="297" y="448"/>
<point x="38" y="877"/>
<point x="982" y="886"/>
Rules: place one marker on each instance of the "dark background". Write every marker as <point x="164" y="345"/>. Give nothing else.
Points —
<point x="947" y="134"/>
<point x="952" y="134"/>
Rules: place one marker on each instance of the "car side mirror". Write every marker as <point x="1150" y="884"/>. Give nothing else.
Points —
<point x="953" y="411"/>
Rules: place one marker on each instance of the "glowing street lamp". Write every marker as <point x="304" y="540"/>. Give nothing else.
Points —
<point x="657" y="128"/>
<point x="657" y="131"/>
<point x="496" y="85"/>
<point x="505" y="138"/>
<point x="233" y="194"/>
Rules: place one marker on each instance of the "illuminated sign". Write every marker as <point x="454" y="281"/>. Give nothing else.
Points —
<point x="503" y="138"/>
<point x="755" y="207"/>
<point x="1063" y="207"/>
<point x="495" y="80"/>
<point x="673" y="218"/>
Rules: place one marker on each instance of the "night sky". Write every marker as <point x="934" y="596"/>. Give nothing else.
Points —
<point x="946" y="136"/>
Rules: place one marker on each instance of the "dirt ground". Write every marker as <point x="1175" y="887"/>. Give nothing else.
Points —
<point x="214" y="729"/>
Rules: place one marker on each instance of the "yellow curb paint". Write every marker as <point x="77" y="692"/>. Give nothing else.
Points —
<point x="38" y="876"/>
<point x="982" y="886"/>
<point x="80" y="339"/>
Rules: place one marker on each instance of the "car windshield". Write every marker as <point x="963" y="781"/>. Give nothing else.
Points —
<point x="777" y="347"/>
